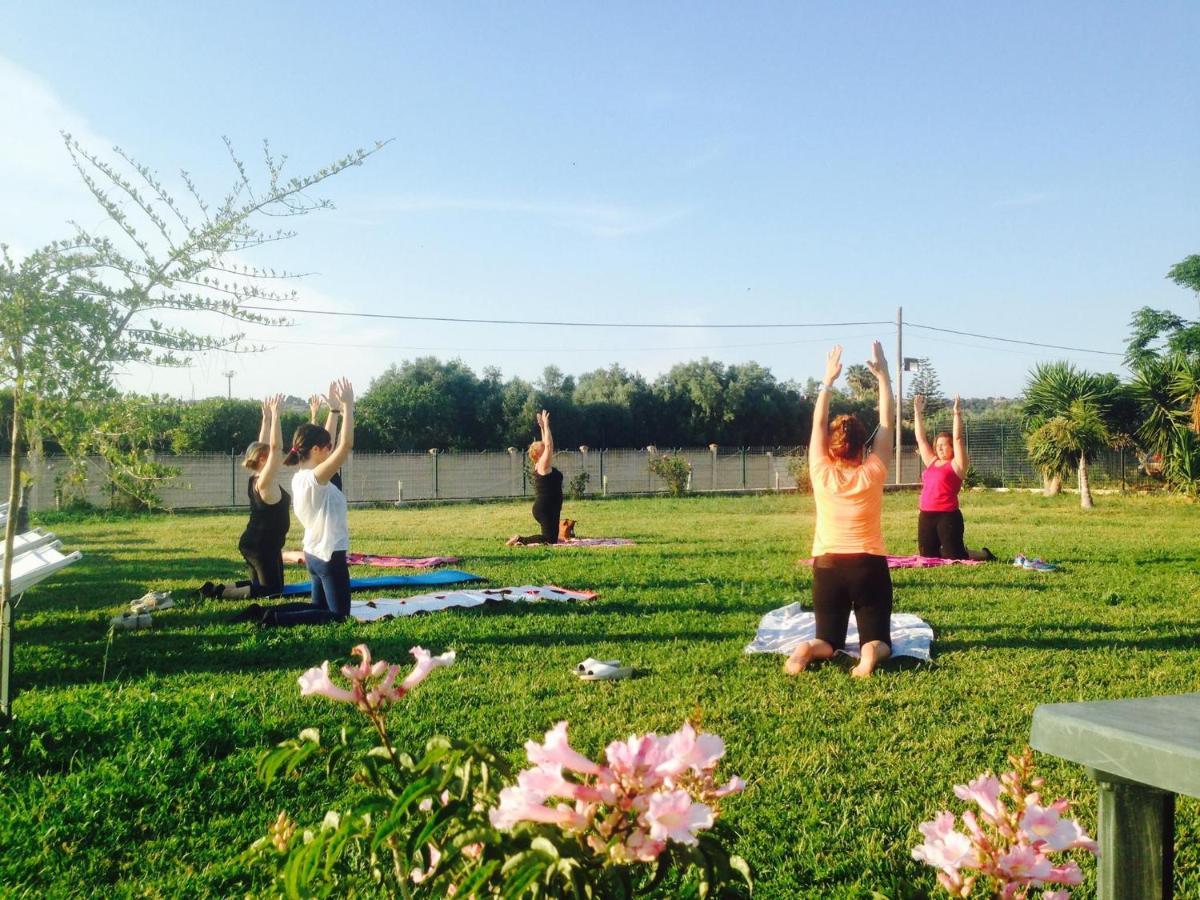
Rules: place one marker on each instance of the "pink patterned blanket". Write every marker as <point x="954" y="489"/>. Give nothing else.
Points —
<point x="919" y="562"/>
<point x="296" y="557"/>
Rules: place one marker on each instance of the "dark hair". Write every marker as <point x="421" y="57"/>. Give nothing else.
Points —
<point x="847" y="437"/>
<point x="306" y="437"/>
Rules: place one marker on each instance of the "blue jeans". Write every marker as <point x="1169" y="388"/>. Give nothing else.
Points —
<point x="330" y="594"/>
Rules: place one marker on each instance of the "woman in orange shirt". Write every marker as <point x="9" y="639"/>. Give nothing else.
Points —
<point x="850" y="570"/>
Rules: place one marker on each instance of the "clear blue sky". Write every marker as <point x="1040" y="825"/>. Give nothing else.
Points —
<point x="1025" y="170"/>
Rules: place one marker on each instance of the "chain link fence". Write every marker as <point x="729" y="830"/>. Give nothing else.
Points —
<point x="208" y="480"/>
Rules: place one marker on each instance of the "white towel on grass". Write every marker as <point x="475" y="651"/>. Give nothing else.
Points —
<point x="391" y="607"/>
<point x="782" y="630"/>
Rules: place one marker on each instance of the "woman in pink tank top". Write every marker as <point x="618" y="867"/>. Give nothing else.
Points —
<point x="940" y="524"/>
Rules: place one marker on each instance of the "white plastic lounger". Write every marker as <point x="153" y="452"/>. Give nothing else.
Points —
<point x="30" y="540"/>
<point x="39" y="564"/>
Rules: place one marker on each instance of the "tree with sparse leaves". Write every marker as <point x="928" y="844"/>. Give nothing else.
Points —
<point x="73" y="312"/>
<point x="926" y="382"/>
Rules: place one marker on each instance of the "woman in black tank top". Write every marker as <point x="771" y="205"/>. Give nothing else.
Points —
<point x="263" y="540"/>
<point x="547" y="488"/>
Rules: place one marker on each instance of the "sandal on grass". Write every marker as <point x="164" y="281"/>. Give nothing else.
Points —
<point x="601" y="671"/>
<point x="583" y="667"/>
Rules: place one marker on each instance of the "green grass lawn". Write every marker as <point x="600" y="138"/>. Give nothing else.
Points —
<point x="129" y="770"/>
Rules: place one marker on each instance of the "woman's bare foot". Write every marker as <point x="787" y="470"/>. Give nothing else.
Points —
<point x="799" y="660"/>
<point x="873" y="653"/>
<point x="513" y="541"/>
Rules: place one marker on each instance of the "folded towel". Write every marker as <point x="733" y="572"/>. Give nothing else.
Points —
<point x="782" y="630"/>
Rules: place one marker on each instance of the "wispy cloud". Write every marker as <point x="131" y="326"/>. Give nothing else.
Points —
<point x="598" y="219"/>
<point x="1030" y="198"/>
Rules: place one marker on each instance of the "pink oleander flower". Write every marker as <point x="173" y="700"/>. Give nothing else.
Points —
<point x="1069" y="873"/>
<point x="1046" y="825"/>
<point x="640" y="847"/>
<point x="549" y="781"/>
<point x="1056" y="895"/>
<point x="316" y="681"/>
<point x="637" y="757"/>
<point x="944" y="847"/>
<point x="519" y="804"/>
<point x="364" y="669"/>
<point x="673" y="816"/>
<point x="425" y="664"/>
<point x="733" y="786"/>
<point x="1024" y="863"/>
<point x="419" y="875"/>
<point x="557" y="751"/>
<point x="685" y="749"/>
<point x="985" y="791"/>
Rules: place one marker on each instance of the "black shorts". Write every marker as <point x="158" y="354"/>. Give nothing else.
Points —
<point x="940" y="534"/>
<point x="852" y="582"/>
<point x="266" y="568"/>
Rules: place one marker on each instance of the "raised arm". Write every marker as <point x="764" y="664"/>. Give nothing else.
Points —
<point x="928" y="457"/>
<point x="546" y="460"/>
<point x="887" y="403"/>
<point x="334" y="412"/>
<point x="961" y="461"/>
<point x="818" y="443"/>
<point x="345" y="443"/>
<point x="267" y="482"/>
<point x="264" y="427"/>
<point x="314" y="408"/>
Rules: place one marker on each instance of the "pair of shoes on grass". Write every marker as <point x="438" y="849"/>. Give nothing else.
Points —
<point x="152" y="601"/>
<point x="131" y="620"/>
<point x="602" y="670"/>
<point x="1033" y="563"/>
<point x="210" y="591"/>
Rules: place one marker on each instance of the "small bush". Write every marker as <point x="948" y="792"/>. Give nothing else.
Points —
<point x="577" y="486"/>
<point x="797" y="467"/>
<point x="674" y="470"/>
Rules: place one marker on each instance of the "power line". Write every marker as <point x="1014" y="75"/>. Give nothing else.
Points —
<point x="518" y="349"/>
<point x="992" y="337"/>
<point x="466" y="321"/>
<point x="690" y="325"/>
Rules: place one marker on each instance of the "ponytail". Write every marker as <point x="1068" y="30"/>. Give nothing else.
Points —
<point x="307" y="437"/>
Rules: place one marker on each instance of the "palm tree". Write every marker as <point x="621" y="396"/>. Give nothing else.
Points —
<point x="1167" y="391"/>
<point x="1066" y="417"/>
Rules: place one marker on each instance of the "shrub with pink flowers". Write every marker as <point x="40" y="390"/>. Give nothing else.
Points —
<point x="1012" y="845"/>
<point x="454" y="822"/>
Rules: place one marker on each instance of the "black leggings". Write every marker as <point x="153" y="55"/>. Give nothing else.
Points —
<point x="266" y="569"/>
<point x="547" y="516"/>
<point x="858" y="582"/>
<point x="940" y="534"/>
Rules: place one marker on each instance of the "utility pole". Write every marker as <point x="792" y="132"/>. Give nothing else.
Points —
<point x="229" y="384"/>
<point x="899" y="386"/>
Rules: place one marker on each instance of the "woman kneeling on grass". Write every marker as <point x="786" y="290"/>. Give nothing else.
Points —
<point x="321" y="509"/>
<point x="850" y="570"/>
<point x="547" y="487"/>
<point x="266" y="532"/>
<point x="940" y="521"/>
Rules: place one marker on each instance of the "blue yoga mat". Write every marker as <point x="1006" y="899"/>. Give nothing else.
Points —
<point x="441" y="576"/>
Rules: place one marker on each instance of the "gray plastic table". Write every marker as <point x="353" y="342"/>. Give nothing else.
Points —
<point x="1141" y="753"/>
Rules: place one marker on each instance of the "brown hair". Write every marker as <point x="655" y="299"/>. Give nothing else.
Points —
<point x="255" y="454"/>
<point x="306" y="437"/>
<point x="535" y="451"/>
<point x="847" y="437"/>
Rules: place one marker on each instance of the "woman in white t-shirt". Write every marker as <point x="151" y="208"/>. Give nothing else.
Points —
<point x="321" y="509"/>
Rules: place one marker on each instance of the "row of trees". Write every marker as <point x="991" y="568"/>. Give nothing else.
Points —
<point x="1070" y="415"/>
<point x="427" y="403"/>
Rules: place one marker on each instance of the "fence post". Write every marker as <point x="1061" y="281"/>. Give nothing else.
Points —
<point x="1003" y="453"/>
<point x="433" y="451"/>
<point x="603" y="482"/>
<point x="770" y="469"/>
<point x="743" y="468"/>
<point x="712" y="448"/>
<point x="232" y="479"/>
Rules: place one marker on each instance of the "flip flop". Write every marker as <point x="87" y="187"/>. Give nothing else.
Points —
<point x="603" y="672"/>
<point x="583" y="667"/>
<point x="154" y="600"/>
<point x="131" y="620"/>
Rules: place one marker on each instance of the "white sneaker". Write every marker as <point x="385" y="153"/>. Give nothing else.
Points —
<point x="131" y="620"/>
<point x="584" y="666"/>
<point x="152" y="601"/>
<point x="602" y="671"/>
